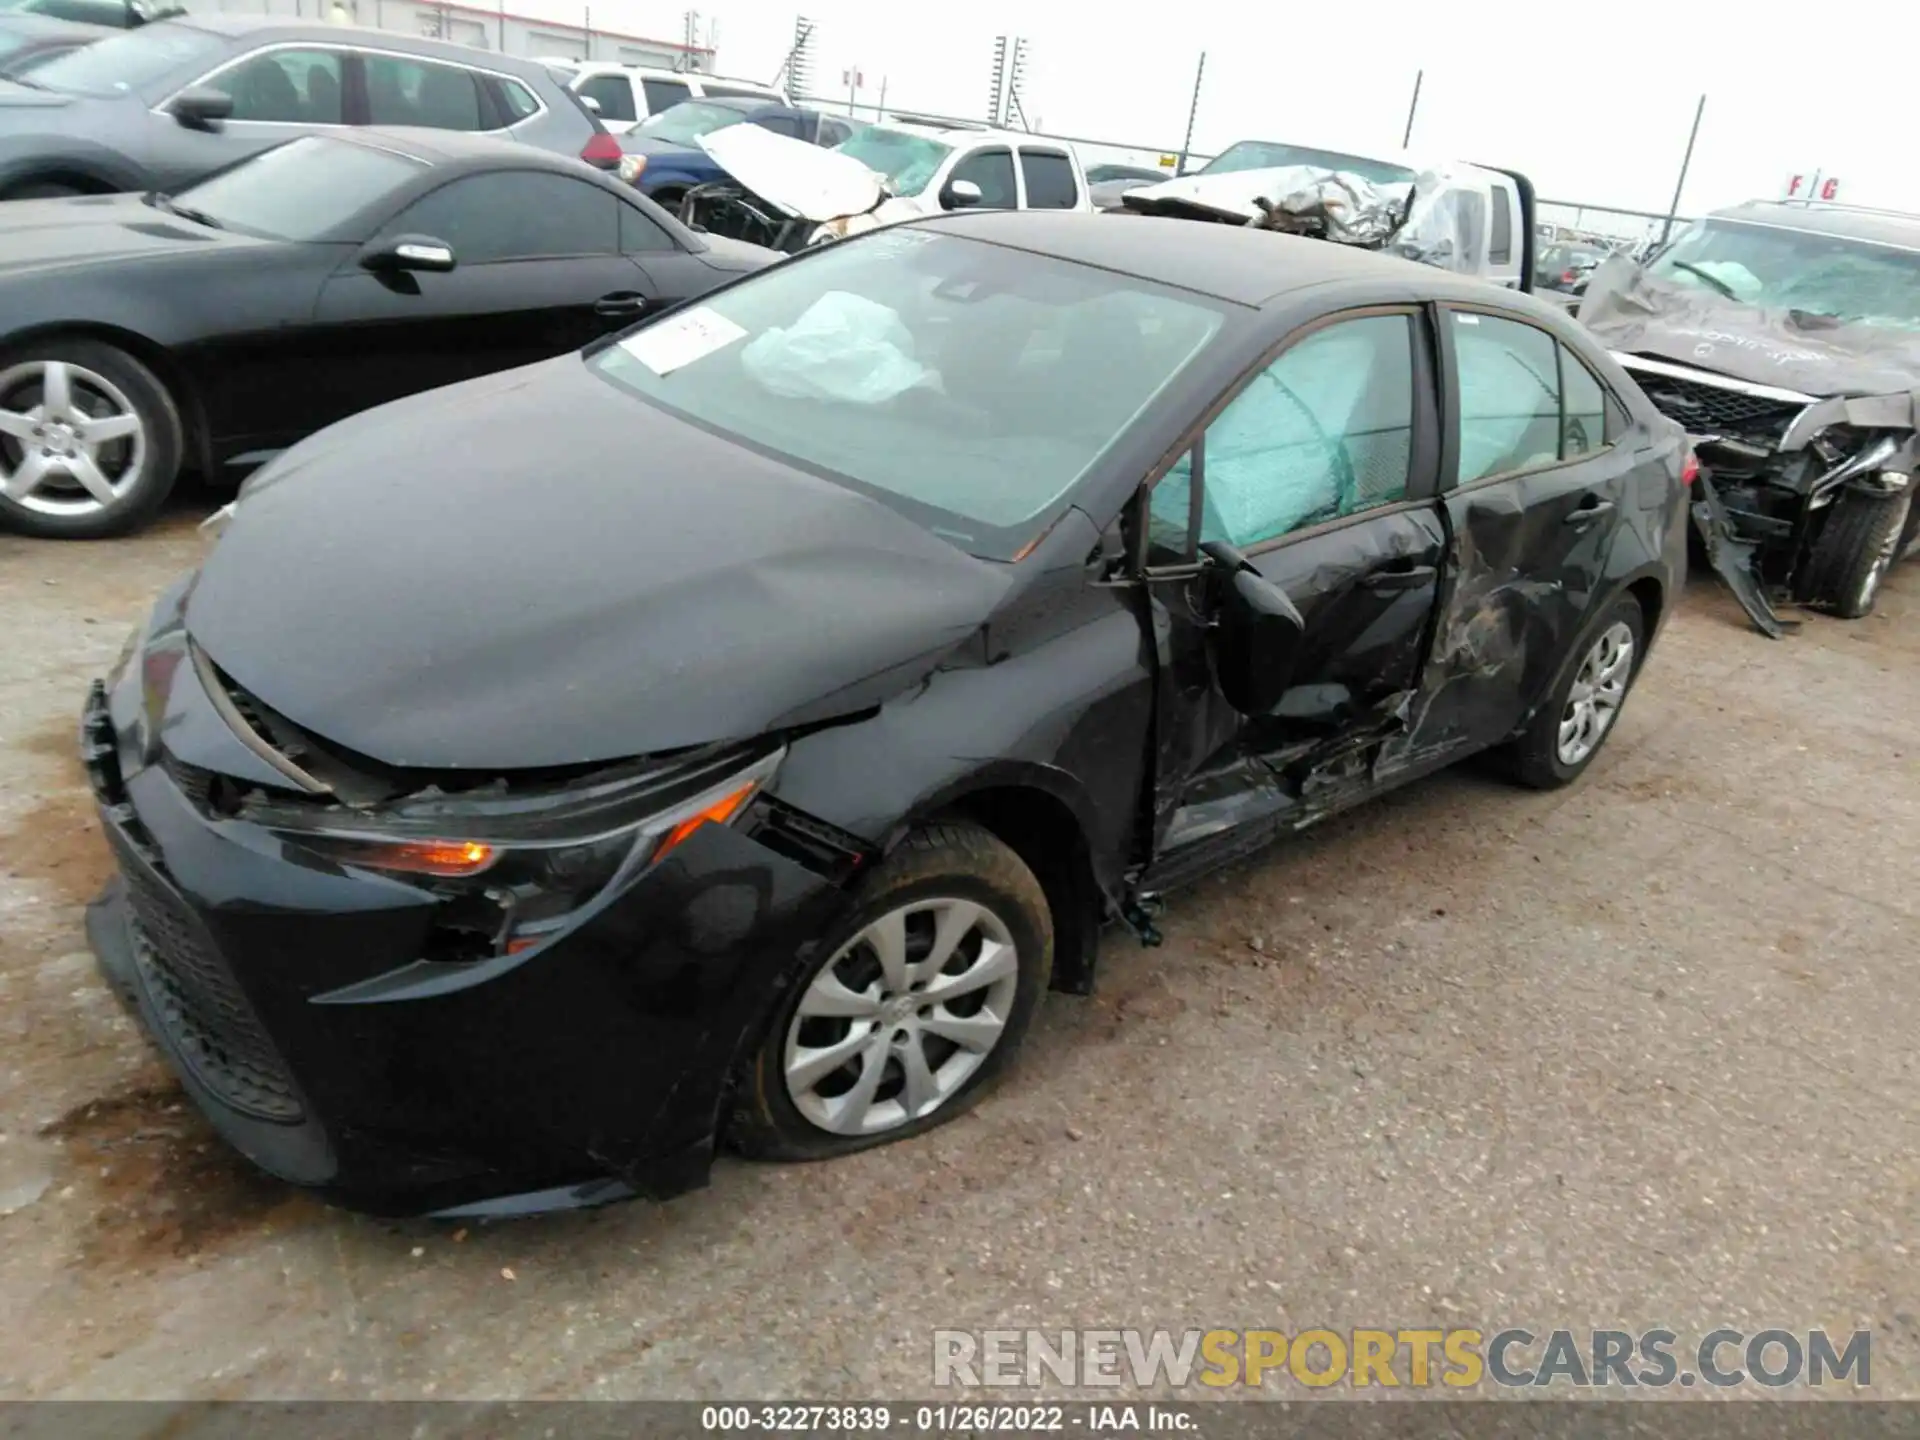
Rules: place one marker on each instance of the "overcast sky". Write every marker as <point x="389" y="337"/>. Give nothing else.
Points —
<point x="1593" y="103"/>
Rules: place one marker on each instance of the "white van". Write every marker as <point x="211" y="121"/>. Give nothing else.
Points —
<point x="624" y="95"/>
<point x="1491" y="210"/>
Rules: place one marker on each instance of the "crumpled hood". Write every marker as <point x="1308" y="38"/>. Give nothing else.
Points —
<point x="96" y="230"/>
<point x="538" y="568"/>
<point x="805" y="180"/>
<point x="1631" y="311"/>
<point x="1231" y="193"/>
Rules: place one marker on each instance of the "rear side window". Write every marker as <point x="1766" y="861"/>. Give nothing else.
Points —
<point x="992" y="171"/>
<point x="519" y="101"/>
<point x="1050" y="183"/>
<point x="613" y="94"/>
<point x="1585" y="427"/>
<point x="662" y="94"/>
<point x="1509" y="395"/>
<point x="1500" y="252"/>
<point x="421" y="92"/>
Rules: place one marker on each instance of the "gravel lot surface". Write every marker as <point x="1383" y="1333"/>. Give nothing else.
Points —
<point x="1640" y="1053"/>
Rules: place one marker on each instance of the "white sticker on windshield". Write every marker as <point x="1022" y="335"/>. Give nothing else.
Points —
<point x="681" y="339"/>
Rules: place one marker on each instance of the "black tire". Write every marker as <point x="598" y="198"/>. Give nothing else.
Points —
<point x="1533" y="759"/>
<point x="42" y="190"/>
<point x="158" y="467"/>
<point x="1856" y="548"/>
<point x="948" y="860"/>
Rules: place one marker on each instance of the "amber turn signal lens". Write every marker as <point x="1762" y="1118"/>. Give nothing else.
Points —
<point x="431" y="857"/>
<point x="718" y="813"/>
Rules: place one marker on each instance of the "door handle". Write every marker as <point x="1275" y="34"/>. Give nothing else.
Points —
<point x="1409" y="577"/>
<point x="1590" y="510"/>
<point x="621" y="302"/>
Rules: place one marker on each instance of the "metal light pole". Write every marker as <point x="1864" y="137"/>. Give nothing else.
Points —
<point x="1193" y="112"/>
<point x="1686" y="161"/>
<point x="1406" y="137"/>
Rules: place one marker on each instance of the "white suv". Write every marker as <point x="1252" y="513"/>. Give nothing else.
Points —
<point x="1013" y="170"/>
<point x="624" y="95"/>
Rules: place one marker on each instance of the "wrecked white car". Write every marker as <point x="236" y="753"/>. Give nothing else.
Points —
<point x="1786" y="339"/>
<point x="1469" y="219"/>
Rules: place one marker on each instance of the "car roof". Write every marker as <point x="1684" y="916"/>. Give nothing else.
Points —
<point x="1228" y="262"/>
<point x="236" y="26"/>
<point x="457" y="147"/>
<point x="968" y="134"/>
<point x="29" y="22"/>
<point x="1885" y="227"/>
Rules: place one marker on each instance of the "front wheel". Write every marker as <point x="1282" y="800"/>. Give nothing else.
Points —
<point x="1856" y="548"/>
<point x="1568" y="731"/>
<point x="915" y="1006"/>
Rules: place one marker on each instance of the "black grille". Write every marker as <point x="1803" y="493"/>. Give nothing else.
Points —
<point x="206" y="1016"/>
<point x="1705" y="408"/>
<point x="193" y="782"/>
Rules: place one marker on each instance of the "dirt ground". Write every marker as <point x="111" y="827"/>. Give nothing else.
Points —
<point x="1638" y="1053"/>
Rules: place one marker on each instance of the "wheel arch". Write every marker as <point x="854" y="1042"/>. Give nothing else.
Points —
<point x="166" y="367"/>
<point x="1040" y="815"/>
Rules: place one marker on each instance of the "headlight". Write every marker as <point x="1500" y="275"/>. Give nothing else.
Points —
<point x="517" y="873"/>
<point x="631" y="166"/>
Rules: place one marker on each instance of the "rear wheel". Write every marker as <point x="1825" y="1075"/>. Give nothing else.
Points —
<point x="915" y="1006"/>
<point x="1568" y="731"/>
<point x="1856" y="548"/>
<point x="90" y="441"/>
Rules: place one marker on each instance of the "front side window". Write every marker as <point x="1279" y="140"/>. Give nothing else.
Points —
<point x="613" y="94"/>
<point x="1324" y="432"/>
<point x="787" y="125"/>
<point x="992" y="171"/>
<point x="1050" y="183"/>
<point x="422" y="92"/>
<point x="126" y="64"/>
<point x="969" y="386"/>
<point x="303" y="189"/>
<point x="286" y="87"/>
<point x="516" y="215"/>
<point x="906" y="162"/>
<point x="1509" y="395"/>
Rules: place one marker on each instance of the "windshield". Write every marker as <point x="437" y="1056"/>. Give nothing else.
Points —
<point x="127" y="63"/>
<point x="1778" y="269"/>
<point x="1265" y="155"/>
<point x="686" y="122"/>
<point x="967" y="385"/>
<point x="906" y="162"/>
<point x="300" y="190"/>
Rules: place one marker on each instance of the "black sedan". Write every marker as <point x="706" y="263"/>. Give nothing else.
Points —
<point x="210" y="329"/>
<point x="736" y="730"/>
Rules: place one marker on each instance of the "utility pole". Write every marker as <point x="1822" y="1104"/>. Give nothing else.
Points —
<point x="1406" y="138"/>
<point x="1193" y="113"/>
<point x="1686" y="163"/>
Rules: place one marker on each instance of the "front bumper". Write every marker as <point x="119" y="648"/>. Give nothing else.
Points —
<point x="592" y="1068"/>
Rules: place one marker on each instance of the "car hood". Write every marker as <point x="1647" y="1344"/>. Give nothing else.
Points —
<point x="802" y="179"/>
<point x="538" y="568"/>
<point x="89" y="230"/>
<point x="1633" y="312"/>
<point x="1232" y="193"/>
<point x="632" y="142"/>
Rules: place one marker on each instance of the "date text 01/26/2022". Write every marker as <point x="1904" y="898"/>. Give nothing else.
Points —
<point x="942" y="1419"/>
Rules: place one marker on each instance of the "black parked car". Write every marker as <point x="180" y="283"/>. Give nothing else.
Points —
<point x="738" y="728"/>
<point x="213" y="328"/>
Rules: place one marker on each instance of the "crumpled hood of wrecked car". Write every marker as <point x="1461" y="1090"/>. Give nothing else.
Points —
<point x="537" y="568"/>
<point x="1634" y="312"/>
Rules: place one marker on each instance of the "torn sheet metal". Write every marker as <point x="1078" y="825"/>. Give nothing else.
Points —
<point x="1733" y="558"/>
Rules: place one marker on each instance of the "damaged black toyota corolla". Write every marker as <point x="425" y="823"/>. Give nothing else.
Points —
<point x="733" y="731"/>
<point x="1786" y="339"/>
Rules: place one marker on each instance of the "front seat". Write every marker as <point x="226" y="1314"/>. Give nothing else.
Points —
<point x="323" y="95"/>
<point x="268" y="94"/>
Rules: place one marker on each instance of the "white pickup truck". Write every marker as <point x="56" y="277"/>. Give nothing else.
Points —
<point x="786" y="194"/>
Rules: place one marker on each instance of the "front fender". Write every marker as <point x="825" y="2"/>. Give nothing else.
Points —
<point x="68" y="156"/>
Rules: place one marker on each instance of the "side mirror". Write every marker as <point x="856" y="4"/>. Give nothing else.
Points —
<point x="410" y="253"/>
<point x="1257" y="642"/>
<point x="959" y="194"/>
<point x="201" y="107"/>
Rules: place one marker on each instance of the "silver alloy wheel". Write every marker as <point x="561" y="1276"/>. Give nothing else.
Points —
<point x="1597" y="693"/>
<point x="901" y="1016"/>
<point x="71" y="442"/>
